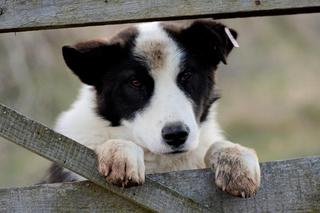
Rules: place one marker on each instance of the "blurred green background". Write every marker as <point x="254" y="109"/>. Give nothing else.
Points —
<point x="270" y="89"/>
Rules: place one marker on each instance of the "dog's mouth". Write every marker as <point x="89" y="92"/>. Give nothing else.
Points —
<point x="176" y="152"/>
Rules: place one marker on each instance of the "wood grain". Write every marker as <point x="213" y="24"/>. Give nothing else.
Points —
<point x="286" y="186"/>
<point x="66" y="197"/>
<point x="23" y="15"/>
<point x="81" y="160"/>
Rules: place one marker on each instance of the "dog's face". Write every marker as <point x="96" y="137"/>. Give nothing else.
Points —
<point x="155" y="79"/>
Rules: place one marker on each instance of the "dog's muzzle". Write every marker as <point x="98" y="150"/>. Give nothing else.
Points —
<point x="175" y="134"/>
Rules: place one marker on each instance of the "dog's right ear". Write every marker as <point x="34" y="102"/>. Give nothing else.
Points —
<point x="87" y="60"/>
<point x="210" y="39"/>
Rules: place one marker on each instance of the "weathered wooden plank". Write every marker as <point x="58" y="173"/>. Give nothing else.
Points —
<point x="287" y="186"/>
<point x="81" y="160"/>
<point x="75" y="197"/>
<point x="22" y="15"/>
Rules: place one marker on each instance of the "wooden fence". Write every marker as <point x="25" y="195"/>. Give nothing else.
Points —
<point x="287" y="186"/>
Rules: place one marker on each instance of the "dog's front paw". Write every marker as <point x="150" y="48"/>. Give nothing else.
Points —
<point x="121" y="162"/>
<point x="236" y="168"/>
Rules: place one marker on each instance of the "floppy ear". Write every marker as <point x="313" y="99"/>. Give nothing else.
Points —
<point x="210" y="39"/>
<point x="86" y="60"/>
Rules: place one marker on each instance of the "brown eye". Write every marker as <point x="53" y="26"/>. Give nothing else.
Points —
<point x="185" y="76"/>
<point x="136" y="83"/>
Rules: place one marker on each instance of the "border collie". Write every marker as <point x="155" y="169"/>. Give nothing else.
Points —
<point x="148" y="105"/>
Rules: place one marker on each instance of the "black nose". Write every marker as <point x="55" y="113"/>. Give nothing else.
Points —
<point x="175" y="134"/>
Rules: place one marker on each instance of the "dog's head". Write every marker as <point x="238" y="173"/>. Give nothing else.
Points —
<point x="155" y="79"/>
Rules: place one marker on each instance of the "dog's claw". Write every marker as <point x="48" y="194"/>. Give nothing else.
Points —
<point x="243" y="194"/>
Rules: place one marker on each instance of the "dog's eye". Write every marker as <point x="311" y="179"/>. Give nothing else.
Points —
<point x="185" y="75"/>
<point x="136" y="83"/>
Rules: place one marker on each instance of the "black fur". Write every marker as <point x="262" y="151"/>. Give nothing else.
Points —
<point x="119" y="99"/>
<point x="205" y="45"/>
<point x="56" y="174"/>
<point x="111" y="68"/>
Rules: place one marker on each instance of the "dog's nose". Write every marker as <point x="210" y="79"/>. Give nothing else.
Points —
<point x="175" y="134"/>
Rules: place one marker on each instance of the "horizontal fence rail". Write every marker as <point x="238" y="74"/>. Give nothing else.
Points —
<point x="287" y="186"/>
<point x="22" y="15"/>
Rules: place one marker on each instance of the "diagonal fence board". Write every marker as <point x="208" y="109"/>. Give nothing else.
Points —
<point x="82" y="160"/>
<point x="287" y="186"/>
<point x="21" y="15"/>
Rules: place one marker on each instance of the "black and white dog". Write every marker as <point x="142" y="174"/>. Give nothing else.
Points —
<point x="149" y="105"/>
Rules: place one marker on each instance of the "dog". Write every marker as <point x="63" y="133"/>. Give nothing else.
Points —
<point x="148" y="105"/>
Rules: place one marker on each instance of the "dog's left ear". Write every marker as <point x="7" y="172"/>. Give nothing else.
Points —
<point x="85" y="59"/>
<point x="210" y="39"/>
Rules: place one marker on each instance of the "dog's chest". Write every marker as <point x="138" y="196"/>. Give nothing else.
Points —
<point x="167" y="163"/>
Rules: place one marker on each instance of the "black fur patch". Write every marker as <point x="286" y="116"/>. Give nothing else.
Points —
<point x="121" y="79"/>
<point x="120" y="98"/>
<point x="205" y="44"/>
<point x="56" y="174"/>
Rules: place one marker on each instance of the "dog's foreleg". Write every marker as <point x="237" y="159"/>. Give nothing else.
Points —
<point x="121" y="162"/>
<point x="236" y="168"/>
